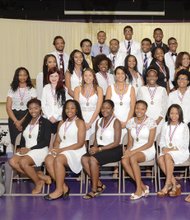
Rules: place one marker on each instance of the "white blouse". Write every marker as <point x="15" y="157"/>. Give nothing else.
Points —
<point x="49" y="106"/>
<point x="185" y="103"/>
<point x="39" y="85"/>
<point x="102" y="82"/>
<point x="21" y="97"/>
<point x="180" y="137"/>
<point x="30" y="142"/>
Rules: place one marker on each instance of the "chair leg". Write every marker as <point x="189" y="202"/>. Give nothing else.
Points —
<point x="11" y="182"/>
<point x="123" y="178"/>
<point x="119" y="178"/>
<point x="87" y="180"/>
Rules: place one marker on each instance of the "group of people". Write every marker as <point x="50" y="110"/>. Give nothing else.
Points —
<point x="126" y="88"/>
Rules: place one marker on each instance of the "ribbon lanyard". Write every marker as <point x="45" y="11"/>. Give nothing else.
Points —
<point x="67" y="126"/>
<point x="171" y="134"/>
<point x="31" y="127"/>
<point x="103" y="128"/>
<point x="88" y="93"/>
<point x="138" y="128"/>
<point x="152" y="94"/>
<point x="121" y="94"/>
<point x="21" y="96"/>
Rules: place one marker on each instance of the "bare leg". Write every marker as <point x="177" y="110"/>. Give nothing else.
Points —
<point x="60" y="163"/>
<point x="14" y="163"/>
<point x="134" y="160"/>
<point x="85" y="163"/>
<point x="94" y="170"/>
<point x="27" y="164"/>
<point x="49" y="162"/>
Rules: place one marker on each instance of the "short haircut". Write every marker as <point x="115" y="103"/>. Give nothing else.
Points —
<point x="127" y="27"/>
<point x="146" y="39"/>
<point x="151" y="69"/>
<point x="114" y="39"/>
<point x="180" y="112"/>
<point x="182" y="72"/>
<point x="157" y="29"/>
<point x="35" y="101"/>
<point x="85" y="40"/>
<point x="110" y="102"/>
<point x="141" y="102"/>
<point x="101" y="32"/>
<point x="171" y="38"/>
<point x="58" y="37"/>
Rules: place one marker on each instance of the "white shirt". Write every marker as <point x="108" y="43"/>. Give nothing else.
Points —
<point x="140" y="60"/>
<point x="65" y="59"/>
<point x="185" y="104"/>
<point x="96" y="49"/>
<point x="22" y="95"/>
<point x="170" y="63"/>
<point x="102" y="82"/>
<point x="39" y="85"/>
<point x="118" y="58"/>
<point x="135" y="47"/>
<point x="49" y="106"/>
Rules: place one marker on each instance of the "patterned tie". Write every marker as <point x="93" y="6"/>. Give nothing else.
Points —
<point x="129" y="48"/>
<point x="113" y="62"/>
<point x="145" y="64"/>
<point x="101" y="47"/>
<point x="61" y="67"/>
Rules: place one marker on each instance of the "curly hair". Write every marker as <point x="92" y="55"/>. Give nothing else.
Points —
<point x="71" y="65"/>
<point x="15" y="82"/>
<point x="98" y="59"/>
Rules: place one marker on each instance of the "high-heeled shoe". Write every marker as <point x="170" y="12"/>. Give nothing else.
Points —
<point x="66" y="194"/>
<point x="176" y="191"/>
<point x="49" y="198"/>
<point x="163" y="193"/>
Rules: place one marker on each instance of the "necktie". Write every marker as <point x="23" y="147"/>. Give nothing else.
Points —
<point x="61" y="67"/>
<point x="129" y="48"/>
<point x="145" y="63"/>
<point x="89" y="61"/>
<point x="101" y="47"/>
<point x="174" y="54"/>
<point x="113" y="62"/>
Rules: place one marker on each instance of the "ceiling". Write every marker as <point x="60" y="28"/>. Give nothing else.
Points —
<point x="56" y="10"/>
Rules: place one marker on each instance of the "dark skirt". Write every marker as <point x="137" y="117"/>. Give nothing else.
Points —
<point x="108" y="156"/>
<point x="12" y="128"/>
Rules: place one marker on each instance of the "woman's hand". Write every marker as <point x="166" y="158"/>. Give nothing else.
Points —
<point x="55" y="151"/>
<point x="123" y="124"/>
<point x="88" y="125"/>
<point x="18" y="125"/>
<point x="93" y="150"/>
<point x="165" y="150"/>
<point x="23" y="150"/>
<point x="52" y="119"/>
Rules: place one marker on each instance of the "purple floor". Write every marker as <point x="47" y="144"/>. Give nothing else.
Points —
<point x="100" y="208"/>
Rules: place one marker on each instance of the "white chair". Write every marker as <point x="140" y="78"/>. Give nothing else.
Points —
<point x="106" y="174"/>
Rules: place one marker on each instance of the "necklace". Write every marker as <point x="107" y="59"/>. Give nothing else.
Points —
<point x="103" y="127"/>
<point x="66" y="126"/>
<point x="138" y="128"/>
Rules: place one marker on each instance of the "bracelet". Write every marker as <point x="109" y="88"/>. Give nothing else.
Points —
<point x="100" y="149"/>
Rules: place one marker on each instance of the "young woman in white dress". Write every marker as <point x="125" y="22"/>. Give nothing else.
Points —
<point x="131" y="66"/>
<point x="41" y="79"/>
<point x="174" y="145"/>
<point x="182" y="94"/>
<point x="123" y="96"/>
<point x="103" y="75"/>
<point x="140" y="147"/>
<point x="90" y="97"/>
<point x="67" y="150"/>
<point x="73" y="76"/>
<point x="19" y="94"/>
<point x="106" y="148"/>
<point x="156" y="97"/>
<point x="53" y="98"/>
<point x="33" y="146"/>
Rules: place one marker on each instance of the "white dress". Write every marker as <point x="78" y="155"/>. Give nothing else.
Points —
<point x="73" y="156"/>
<point x="143" y="137"/>
<point x="137" y="83"/>
<point x="185" y="104"/>
<point x="49" y="107"/>
<point x="159" y="106"/>
<point x="103" y="83"/>
<point x="37" y="155"/>
<point x="180" y="140"/>
<point x="121" y="111"/>
<point x="88" y="111"/>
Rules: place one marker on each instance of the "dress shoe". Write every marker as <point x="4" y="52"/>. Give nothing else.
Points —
<point x="66" y="195"/>
<point x="47" y="197"/>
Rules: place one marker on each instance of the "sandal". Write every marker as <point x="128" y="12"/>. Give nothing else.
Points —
<point x="176" y="191"/>
<point x="100" y="189"/>
<point x="147" y="191"/>
<point x="90" y="195"/>
<point x="187" y="199"/>
<point x="163" y="193"/>
<point x="135" y="196"/>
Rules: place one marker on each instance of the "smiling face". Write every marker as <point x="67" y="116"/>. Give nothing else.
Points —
<point x="101" y="36"/>
<point x="128" y="33"/>
<point x="120" y="75"/>
<point x="174" y="115"/>
<point x="159" y="54"/>
<point x="158" y="36"/>
<point x="51" y="62"/>
<point x="185" y="61"/>
<point x="182" y="81"/>
<point x="22" y="76"/>
<point x="140" y="110"/>
<point x="78" y="58"/>
<point x="34" y="110"/>
<point x="146" y="46"/>
<point x="86" y="47"/>
<point x="114" y="46"/>
<point x="106" y="110"/>
<point x="70" y="110"/>
<point x="54" y="78"/>
<point x="103" y="66"/>
<point x="59" y="44"/>
<point x="151" y="78"/>
<point x="172" y="44"/>
<point x="88" y="77"/>
<point x="131" y="62"/>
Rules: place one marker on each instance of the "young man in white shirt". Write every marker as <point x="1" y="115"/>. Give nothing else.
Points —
<point x="61" y="57"/>
<point x="100" y="47"/>
<point x="117" y="58"/>
<point x="170" y="56"/>
<point x="129" y="46"/>
<point x="144" y="56"/>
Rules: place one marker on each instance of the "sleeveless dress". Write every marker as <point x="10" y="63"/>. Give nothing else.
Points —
<point x="37" y="155"/>
<point x="143" y="137"/>
<point x="73" y="156"/>
<point x="88" y="111"/>
<point x="121" y="111"/>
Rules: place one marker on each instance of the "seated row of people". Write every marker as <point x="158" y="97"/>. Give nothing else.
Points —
<point x="69" y="147"/>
